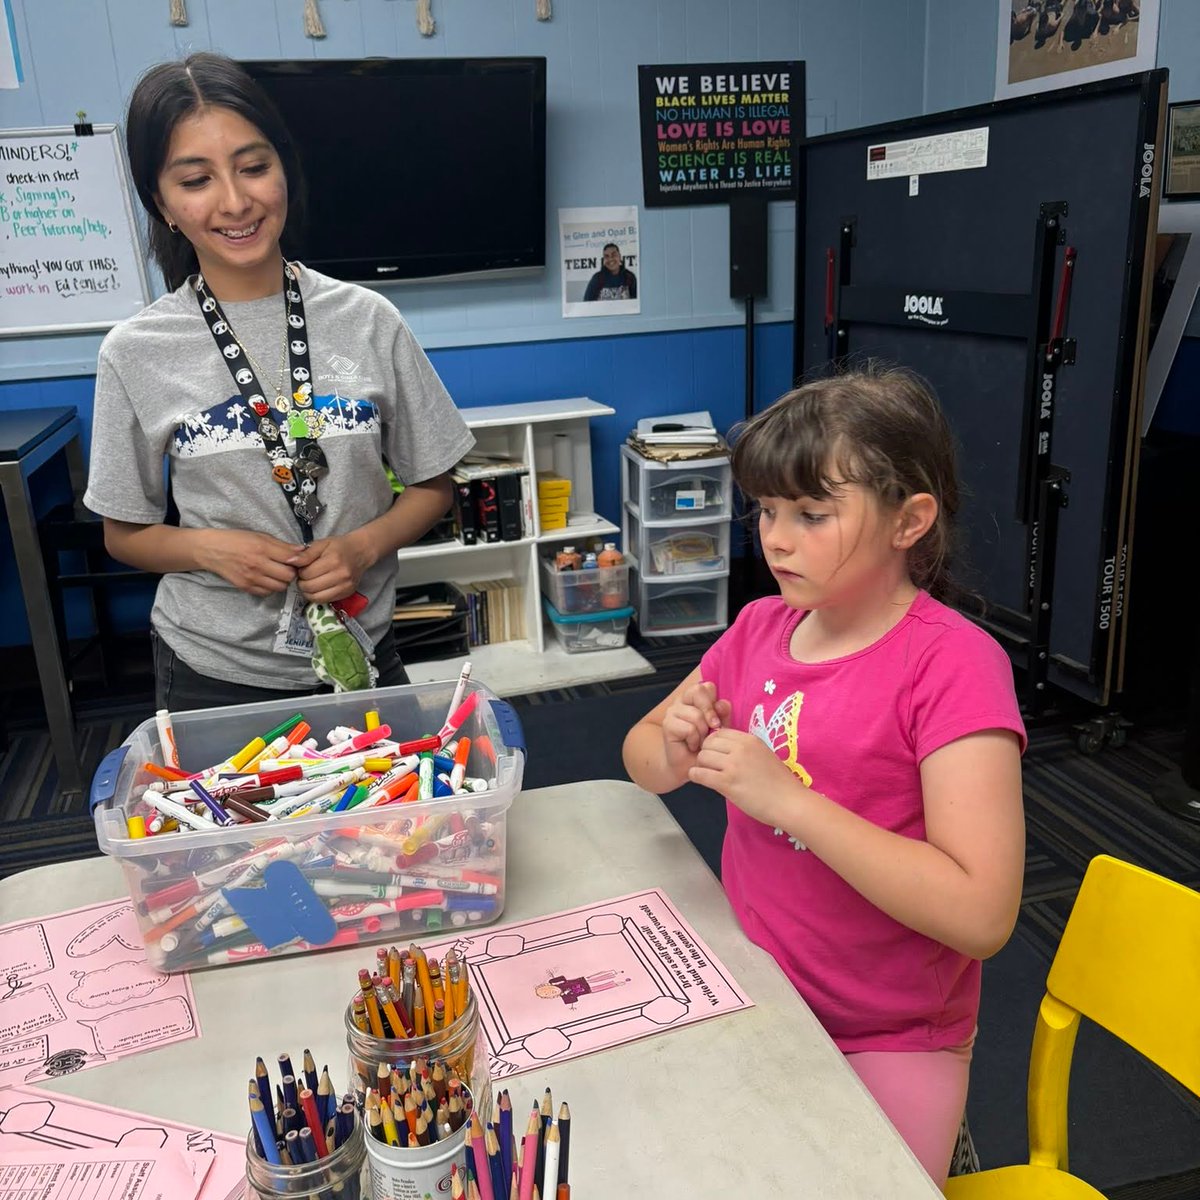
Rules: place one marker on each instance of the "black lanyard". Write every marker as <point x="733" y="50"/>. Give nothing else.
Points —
<point x="296" y="474"/>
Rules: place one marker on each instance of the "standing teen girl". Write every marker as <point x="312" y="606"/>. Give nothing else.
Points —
<point x="275" y="394"/>
<point x="867" y="740"/>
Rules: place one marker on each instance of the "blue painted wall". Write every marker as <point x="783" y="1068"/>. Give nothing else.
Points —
<point x="638" y="375"/>
<point x="865" y="62"/>
<point x="504" y="341"/>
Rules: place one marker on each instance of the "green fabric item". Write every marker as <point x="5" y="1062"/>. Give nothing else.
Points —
<point x="338" y="659"/>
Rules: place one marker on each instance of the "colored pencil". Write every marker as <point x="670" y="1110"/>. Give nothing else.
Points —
<point x="550" y="1172"/>
<point x="529" y="1153"/>
<point x="564" y="1134"/>
<point x="266" y="1132"/>
<point x="505" y="1135"/>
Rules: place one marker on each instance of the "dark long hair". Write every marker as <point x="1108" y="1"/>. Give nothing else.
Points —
<point x="874" y="425"/>
<point x="166" y="94"/>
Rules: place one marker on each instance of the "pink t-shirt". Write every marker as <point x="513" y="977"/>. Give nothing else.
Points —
<point x="857" y="728"/>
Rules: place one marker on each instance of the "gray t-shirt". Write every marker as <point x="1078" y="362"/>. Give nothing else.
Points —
<point x="163" y="389"/>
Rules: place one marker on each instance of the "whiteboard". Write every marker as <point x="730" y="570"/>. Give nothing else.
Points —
<point x="70" y="256"/>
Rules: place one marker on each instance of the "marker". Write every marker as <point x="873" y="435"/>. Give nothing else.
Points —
<point x="166" y="738"/>
<point x="322" y="788"/>
<point x="371" y="719"/>
<point x="456" y="719"/>
<point x="290" y="723"/>
<point x="459" y="690"/>
<point x="360" y="741"/>
<point x="219" y="814"/>
<point x="450" y="884"/>
<point x="180" y="812"/>
<point x="417" y="745"/>
<point x="250" y="750"/>
<point x="459" y="770"/>
<point x="169" y="774"/>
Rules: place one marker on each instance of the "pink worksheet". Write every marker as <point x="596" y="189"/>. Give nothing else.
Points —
<point x="581" y="981"/>
<point x="99" y="1175"/>
<point x="52" y="1132"/>
<point x="76" y="991"/>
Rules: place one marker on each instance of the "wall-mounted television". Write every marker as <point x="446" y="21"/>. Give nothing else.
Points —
<point x="428" y="168"/>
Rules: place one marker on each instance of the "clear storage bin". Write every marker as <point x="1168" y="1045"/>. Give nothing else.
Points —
<point x="694" y="606"/>
<point x="700" y="489"/>
<point x="686" y="552"/>
<point x="579" y="633"/>
<point x="183" y="884"/>
<point x="592" y="591"/>
<point x="686" y="495"/>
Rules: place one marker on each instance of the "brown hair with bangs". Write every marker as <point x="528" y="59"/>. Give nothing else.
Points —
<point x="874" y="425"/>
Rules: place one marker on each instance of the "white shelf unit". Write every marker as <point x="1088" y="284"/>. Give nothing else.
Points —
<point x="525" y="432"/>
<point x="660" y="498"/>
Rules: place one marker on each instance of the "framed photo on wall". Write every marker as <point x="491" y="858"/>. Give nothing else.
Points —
<point x="1045" y="44"/>
<point x="1181" y="181"/>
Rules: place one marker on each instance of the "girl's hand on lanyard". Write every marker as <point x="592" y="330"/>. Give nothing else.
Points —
<point x="253" y="562"/>
<point x="746" y="772"/>
<point x="329" y="569"/>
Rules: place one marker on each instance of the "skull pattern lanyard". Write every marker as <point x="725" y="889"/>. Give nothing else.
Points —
<point x="296" y="473"/>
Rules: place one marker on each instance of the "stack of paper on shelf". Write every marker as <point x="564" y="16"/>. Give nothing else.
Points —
<point x="675" y="437"/>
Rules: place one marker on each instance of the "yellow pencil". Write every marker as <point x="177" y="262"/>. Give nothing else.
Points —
<point x="389" y="1124"/>
<point x="424" y="982"/>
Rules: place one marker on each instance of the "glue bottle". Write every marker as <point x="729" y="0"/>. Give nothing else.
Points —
<point x="613" y="591"/>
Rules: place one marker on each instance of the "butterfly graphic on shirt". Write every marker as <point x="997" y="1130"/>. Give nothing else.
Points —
<point x="781" y="732"/>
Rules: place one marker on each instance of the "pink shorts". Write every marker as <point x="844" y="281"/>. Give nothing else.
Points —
<point x="924" y="1094"/>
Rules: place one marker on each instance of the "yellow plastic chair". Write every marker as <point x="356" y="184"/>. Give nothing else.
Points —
<point x="1129" y="960"/>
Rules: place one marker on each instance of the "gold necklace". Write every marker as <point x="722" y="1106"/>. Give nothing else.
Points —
<point x="283" y="401"/>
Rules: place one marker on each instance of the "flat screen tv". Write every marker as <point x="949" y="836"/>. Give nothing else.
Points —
<point x="418" y="168"/>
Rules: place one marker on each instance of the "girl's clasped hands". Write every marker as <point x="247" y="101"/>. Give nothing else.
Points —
<point x="738" y="765"/>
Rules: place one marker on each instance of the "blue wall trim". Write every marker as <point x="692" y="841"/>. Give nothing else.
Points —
<point x="641" y="375"/>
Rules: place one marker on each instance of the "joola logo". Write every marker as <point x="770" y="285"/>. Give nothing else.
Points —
<point x="1147" y="171"/>
<point x="925" y="309"/>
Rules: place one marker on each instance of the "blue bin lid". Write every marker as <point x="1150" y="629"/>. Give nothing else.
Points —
<point x="605" y="614"/>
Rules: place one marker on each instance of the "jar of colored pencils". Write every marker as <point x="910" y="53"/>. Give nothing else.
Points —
<point x="341" y="1174"/>
<point x="460" y="1045"/>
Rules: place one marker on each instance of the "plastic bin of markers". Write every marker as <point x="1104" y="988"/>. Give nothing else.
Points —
<point x="460" y="1045"/>
<point x="299" y="883"/>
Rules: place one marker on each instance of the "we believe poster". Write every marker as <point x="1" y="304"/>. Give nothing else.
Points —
<point x="715" y="131"/>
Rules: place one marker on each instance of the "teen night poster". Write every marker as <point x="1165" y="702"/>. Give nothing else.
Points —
<point x="714" y="131"/>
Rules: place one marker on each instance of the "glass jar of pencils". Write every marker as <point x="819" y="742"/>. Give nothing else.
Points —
<point x="460" y="1045"/>
<point x="339" y="1175"/>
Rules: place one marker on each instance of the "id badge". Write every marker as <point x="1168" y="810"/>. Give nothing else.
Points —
<point x="293" y="634"/>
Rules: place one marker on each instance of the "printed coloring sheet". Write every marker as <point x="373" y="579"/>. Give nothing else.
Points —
<point x="50" y="1141"/>
<point x="76" y="991"/>
<point x="580" y="981"/>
